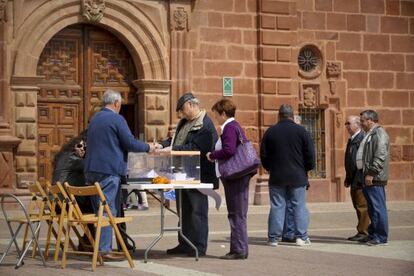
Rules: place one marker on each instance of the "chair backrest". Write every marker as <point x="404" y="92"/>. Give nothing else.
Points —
<point x="58" y="197"/>
<point x="38" y="201"/>
<point x="93" y="190"/>
<point x="18" y="201"/>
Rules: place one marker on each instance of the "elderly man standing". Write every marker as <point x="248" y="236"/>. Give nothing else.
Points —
<point x="109" y="141"/>
<point x="287" y="153"/>
<point x="354" y="177"/>
<point x="195" y="132"/>
<point x="373" y="158"/>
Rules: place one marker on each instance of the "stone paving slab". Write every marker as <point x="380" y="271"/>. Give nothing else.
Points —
<point x="330" y="253"/>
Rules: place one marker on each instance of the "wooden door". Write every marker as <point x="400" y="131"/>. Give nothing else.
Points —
<point x="78" y="64"/>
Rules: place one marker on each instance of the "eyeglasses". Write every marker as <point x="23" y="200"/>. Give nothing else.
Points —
<point x="79" y="146"/>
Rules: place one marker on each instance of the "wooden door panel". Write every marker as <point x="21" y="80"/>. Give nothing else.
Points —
<point x="79" y="64"/>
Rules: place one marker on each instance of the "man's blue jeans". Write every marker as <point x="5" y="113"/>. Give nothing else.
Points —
<point x="289" y="227"/>
<point x="110" y="185"/>
<point x="377" y="211"/>
<point x="279" y="195"/>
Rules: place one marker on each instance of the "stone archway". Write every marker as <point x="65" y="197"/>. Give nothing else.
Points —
<point x="133" y="24"/>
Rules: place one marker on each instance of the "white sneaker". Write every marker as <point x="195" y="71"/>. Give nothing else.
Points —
<point x="300" y="242"/>
<point x="272" y="243"/>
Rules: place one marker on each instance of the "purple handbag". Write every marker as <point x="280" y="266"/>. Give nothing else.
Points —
<point x="242" y="163"/>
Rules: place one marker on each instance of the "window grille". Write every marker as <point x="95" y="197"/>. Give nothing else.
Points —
<point x="314" y="121"/>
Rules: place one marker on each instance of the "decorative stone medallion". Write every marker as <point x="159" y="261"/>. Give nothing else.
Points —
<point x="93" y="10"/>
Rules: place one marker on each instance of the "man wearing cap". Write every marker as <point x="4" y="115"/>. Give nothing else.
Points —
<point x="195" y="132"/>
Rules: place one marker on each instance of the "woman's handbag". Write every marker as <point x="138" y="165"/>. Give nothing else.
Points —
<point x="242" y="163"/>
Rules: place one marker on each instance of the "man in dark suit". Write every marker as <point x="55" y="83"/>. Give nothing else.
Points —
<point x="287" y="153"/>
<point x="195" y="132"/>
<point x="109" y="141"/>
<point x="354" y="177"/>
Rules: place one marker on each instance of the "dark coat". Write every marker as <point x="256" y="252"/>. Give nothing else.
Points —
<point x="69" y="168"/>
<point x="109" y="141"/>
<point x="201" y="139"/>
<point x="287" y="152"/>
<point x="354" y="177"/>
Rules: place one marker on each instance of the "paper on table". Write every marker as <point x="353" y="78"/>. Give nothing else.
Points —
<point x="152" y="173"/>
<point x="212" y="193"/>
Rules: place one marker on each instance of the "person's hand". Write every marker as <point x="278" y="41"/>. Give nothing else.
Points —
<point x="208" y="157"/>
<point x="368" y="180"/>
<point x="166" y="149"/>
<point x="154" y="147"/>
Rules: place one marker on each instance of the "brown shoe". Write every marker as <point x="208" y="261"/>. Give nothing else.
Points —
<point x="109" y="257"/>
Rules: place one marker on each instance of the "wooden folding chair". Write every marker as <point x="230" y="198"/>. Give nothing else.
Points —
<point x="32" y="222"/>
<point x="75" y="217"/>
<point x="59" y="200"/>
<point x="38" y="209"/>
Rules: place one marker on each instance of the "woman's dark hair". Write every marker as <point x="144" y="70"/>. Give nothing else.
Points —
<point x="69" y="146"/>
<point x="226" y="106"/>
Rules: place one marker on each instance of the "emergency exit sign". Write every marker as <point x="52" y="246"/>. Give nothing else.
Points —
<point x="227" y="86"/>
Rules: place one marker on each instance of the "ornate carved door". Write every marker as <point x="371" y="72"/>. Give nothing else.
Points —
<point x="78" y="64"/>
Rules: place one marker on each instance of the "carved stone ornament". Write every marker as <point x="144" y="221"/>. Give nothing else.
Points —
<point x="180" y="19"/>
<point x="93" y="10"/>
<point x="3" y="8"/>
<point x="309" y="97"/>
<point x="333" y="69"/>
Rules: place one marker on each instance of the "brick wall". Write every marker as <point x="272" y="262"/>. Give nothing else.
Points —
<point x="374" y="41"/>
<point x="257" y="43"/>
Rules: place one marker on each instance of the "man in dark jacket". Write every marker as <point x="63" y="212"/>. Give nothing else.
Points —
<point x="195" y="132"/>
<point x="109" y="141"/>
<point x="373" y="158"/>
<point x="287" y="153"/>
<point x="354" y="177"/>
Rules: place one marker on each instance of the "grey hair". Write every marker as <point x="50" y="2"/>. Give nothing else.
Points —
<point x="370" y="114"/>
<point x="286" y="111"/>
<point x="356" y="119"/>
<point x="111" y="96"/>
<point x="194" y="101"/>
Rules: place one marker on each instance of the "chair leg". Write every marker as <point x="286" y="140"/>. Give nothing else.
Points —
<point x="13" y="240"/>
<point x="96" y="245"/>
<point x="66" y="244"/>
<point x="48" y="238"/>
<point x="58" y="238"/>
<point x="26" y="231"/>
<point x="123" y="246"/>
<point x="36" y="239"/>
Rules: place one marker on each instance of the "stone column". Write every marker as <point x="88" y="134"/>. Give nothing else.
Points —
<point x="24" y="90"/>
<point x="8" y="142"/>
<point x="180" y="14"/>
<point x="153" y="108"/>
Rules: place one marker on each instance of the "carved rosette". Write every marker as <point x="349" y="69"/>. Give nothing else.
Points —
<point x="93" y="10"/>
<point x="3" y="13"/>
<point x="179" y="19"/>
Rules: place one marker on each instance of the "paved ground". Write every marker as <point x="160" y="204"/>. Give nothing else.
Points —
<point x="330" y="253"/>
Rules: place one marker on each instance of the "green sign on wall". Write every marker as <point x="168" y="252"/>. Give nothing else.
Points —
<point x="227" y="86"/>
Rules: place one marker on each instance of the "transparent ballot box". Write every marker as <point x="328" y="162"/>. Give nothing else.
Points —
<point x="181" y="167"/>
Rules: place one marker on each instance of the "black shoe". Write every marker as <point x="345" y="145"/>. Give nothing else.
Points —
<point x="178" y="250"/>
<point x="364" y="239"/>
<point x="290" y="240"/>
<point x="357" y="237"/>
<point x="193" y="254"/>
<point x="235" y="256"/>
<point x="375" y="242"/>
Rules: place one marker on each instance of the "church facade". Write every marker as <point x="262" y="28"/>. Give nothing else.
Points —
<point x="327" y="58"/>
